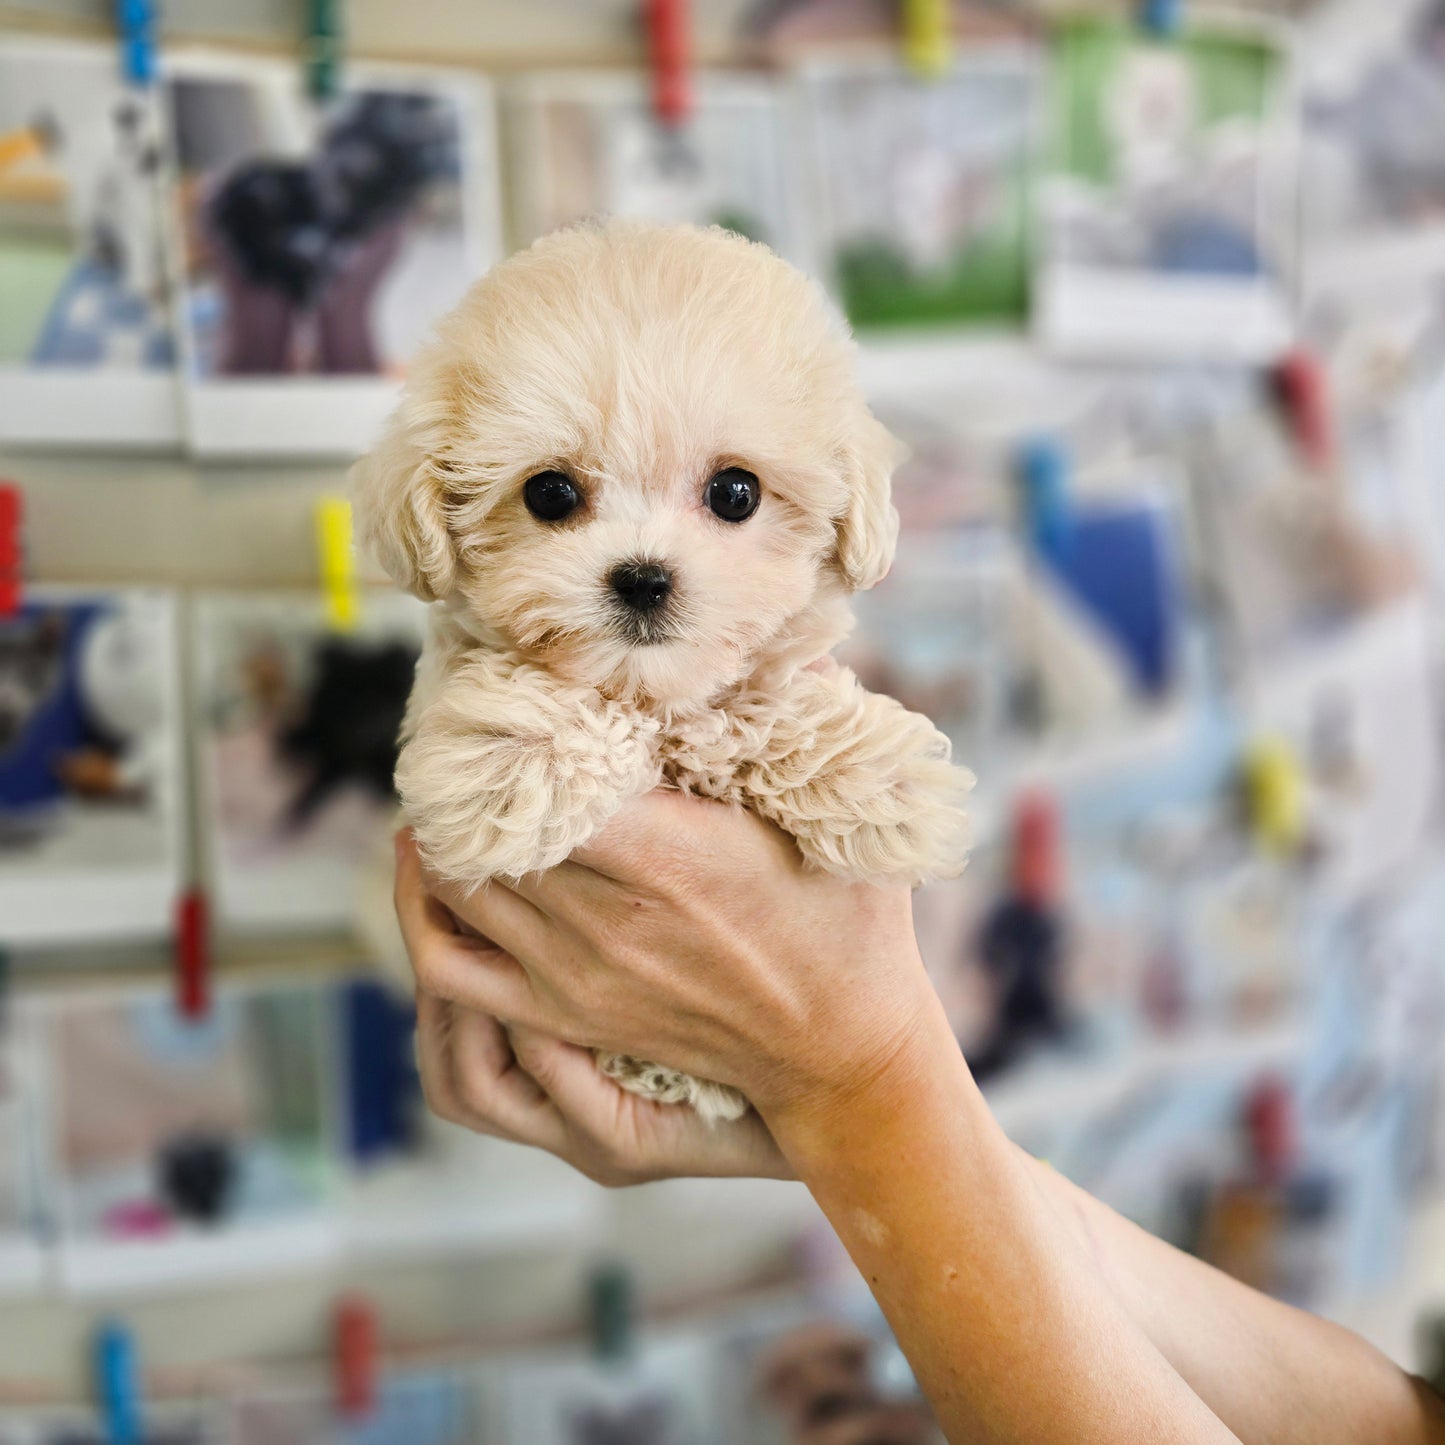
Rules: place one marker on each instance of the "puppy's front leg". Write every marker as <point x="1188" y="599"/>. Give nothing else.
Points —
<point x="507" y="770"/>
<point x="865" y="786"/>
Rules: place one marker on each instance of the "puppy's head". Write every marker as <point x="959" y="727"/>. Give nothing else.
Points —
<point x="638" y="455"/>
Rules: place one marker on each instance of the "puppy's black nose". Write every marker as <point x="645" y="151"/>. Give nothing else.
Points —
<point x="643" y="586"/>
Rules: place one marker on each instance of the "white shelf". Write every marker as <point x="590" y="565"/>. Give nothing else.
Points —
<point x="22" y="1265"/>
<point x="404" y="1214"/>
<point x="1066" y="1088"/>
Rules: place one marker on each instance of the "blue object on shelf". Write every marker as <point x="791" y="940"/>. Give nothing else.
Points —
<point x="1161" y="17"/>
<point x="1120" y="566"/>
<point x="49" y="717"/>
<point x="383" y="1090"/>
<point x="117" y="1384"/>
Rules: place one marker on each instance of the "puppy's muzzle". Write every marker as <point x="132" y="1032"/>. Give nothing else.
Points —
<point x="643" y="587"/>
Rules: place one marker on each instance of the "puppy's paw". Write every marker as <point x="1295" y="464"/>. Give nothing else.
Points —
<point x="668" y="1086"/>
<point x="503" y="780"/>
<point x="914" y="830"/>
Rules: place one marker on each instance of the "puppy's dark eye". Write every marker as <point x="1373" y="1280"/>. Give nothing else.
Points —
<point x="551" y="496"/>
<point x="734" y="494"/>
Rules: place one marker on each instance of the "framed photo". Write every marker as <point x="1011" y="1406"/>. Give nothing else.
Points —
<point x="92" y="841"/>
<point x="420" y="1407"/>
<point x="187" y="1149"/>
<point x="587" y="144"/>
<point x="1373" y="145"/>
<point x="934" y="635"/>
<point x="87" y="354"/>
<point x="315" y="245"/>
<point x="1167" y="203"/>
<point x="662" y="1396"/>
<point x="23" y="1202"/>
<point x="296" y="736"/>
<point x="169" y="1424"/>
<point x="923" y="187"/>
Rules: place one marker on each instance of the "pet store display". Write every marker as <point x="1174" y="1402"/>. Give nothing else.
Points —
<point x="91" y="802"/>
<point x="318" y="242"/>
<point x="297" y="734"/>
<point x="590" y="144"/>
<point x="87" y="354"/>
<point x="1166" y="211"/>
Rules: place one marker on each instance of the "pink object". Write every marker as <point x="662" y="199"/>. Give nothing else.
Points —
<point x="137" y="1219"/>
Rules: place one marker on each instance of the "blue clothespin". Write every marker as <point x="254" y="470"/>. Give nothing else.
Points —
<point x="137" y="22"/>
<point x="1041" y="468"/>
<point x="117" y="1385"/>
<point x="1161" y="18"/>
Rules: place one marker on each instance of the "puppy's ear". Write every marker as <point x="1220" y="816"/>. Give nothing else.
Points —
<point x="868" y="528"/>
<point x="401" y="515"/>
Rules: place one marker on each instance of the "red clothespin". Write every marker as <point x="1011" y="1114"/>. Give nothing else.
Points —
<point x="1303" y="394"/>
<point x="12" y="516"/>
<point x="669" y="46"/>
<point x="354" y="1337"/>
<point x="193" y="955"/>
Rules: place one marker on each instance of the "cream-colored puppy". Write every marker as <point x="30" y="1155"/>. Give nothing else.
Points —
<point x="637" y="478"/>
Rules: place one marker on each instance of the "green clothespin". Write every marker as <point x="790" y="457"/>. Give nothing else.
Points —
<point x="323" y="48"/>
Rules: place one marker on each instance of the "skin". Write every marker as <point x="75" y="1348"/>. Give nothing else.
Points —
<point x="691" y="933"/>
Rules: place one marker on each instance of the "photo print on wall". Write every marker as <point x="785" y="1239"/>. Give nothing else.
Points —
<point x="91" y="807"/>
<point x="317" y="243"/>
<point x="1167" y="205"/>
<point x="87" y="355"/>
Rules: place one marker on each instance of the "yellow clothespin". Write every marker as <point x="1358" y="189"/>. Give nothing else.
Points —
<point x="1274" y="795"/>
<point x="337" y="559"/>
<point x="926" y="36"/>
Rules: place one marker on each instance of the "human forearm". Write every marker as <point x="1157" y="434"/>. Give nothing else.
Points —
<point x="1010" y="1326"/>
<point x="1269" y="1371"/>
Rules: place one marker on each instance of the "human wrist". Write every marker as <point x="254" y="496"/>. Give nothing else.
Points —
<point x="910" y="1051"/>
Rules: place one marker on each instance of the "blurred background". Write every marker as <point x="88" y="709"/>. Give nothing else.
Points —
<point x="1153" y="295"/>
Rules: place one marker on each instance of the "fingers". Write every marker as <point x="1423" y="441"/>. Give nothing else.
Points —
<point x="448" y="965"/>
<point x="570" y="1077"/>
<point x="471" y="1077"/>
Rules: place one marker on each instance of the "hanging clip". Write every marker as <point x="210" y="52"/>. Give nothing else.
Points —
<point x="926" y="36"/>
<point x="337" y="559"/>
<point x="669" y="49"/>
<point x="1161" y="18"/>
<point x="323" y="48"/>
<point x="1041" y="467"/>
<point x="1274" y="796"/>
<point x="138" y="26"/>
<point x="193" y="955"/>
<point x="354" y="1336"/>
<point x="12" y="516"/>
<point x="116" y="1385"/>
<point x="1302" y="392"/>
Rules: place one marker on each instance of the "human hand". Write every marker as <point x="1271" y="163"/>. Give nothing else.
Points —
<point x="529" y="1088"/>
<point x="689" y="933"/>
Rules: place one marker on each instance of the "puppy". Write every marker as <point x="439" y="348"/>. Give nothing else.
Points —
<point x="637" y="479"/>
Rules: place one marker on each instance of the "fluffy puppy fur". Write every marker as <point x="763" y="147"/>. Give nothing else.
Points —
<point x="640" y="361"/>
